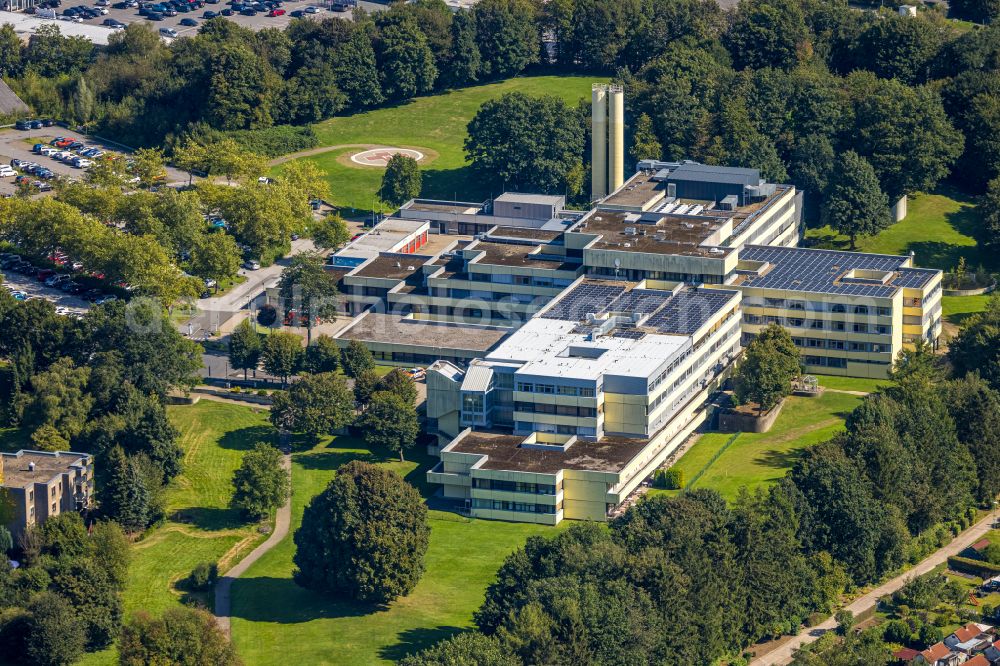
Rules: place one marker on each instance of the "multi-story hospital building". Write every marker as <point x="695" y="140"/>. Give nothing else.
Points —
<point x="570" y="352"/>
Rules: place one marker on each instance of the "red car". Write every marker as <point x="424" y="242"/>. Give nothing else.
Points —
<point x="276" y="12"/>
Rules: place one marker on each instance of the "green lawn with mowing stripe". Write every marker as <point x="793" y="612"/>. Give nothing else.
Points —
<point x="277" y="622"/>
<point x="754" y="460"/>
<point x="938" y="229"/>
<point x="435" y="125"/>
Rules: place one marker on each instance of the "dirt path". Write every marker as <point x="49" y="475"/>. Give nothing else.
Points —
<point x="319" y="151"/>
<point x="847" y="392"/>
<point x="223" y="589"/>
<point x="783" y="653"/>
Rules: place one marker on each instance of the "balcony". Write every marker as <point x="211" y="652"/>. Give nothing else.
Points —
<point x="437" y="475"/>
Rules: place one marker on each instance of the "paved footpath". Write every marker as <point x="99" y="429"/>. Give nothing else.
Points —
<point x="784" y="653"/>
<point x="223" y="589"/>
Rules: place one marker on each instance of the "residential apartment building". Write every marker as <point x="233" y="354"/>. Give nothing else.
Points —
<point x="41" y="484"/>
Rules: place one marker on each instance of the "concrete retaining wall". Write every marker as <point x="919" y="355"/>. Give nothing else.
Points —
<point x="733" y="421"/>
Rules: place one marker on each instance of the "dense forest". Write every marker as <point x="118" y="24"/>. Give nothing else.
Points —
<point x="788" y="86"/>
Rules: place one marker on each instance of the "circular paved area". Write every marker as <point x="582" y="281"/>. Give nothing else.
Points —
<point x="379" y="157"/>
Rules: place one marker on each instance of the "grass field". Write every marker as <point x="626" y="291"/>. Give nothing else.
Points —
<point x="754" y="460"/>
<point x="277" y="622"/>
<point x="435" y="125"/>
<point x="956" y="309"/>
<point x="201" y="527"/>
<point x="938" y="229"/>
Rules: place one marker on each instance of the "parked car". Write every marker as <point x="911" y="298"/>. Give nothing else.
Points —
<point x="6" y="171"/>
<point x="168" y="32"/>
<point x="209" y="14"/>
<point x="82" y="163"/>
<point x="249" y="11"/>
<point x="107" y="298"/>
<point x="189" y="22"/>
<point x="227" y="12"/>
<point x="91" y="295"/>
<point x="55" y="280"/>
<point x="311" y="10"/>
<point x="23" y="124"/>
<point x="251" y="265"/>
<point x="296" y="13"/>
<point x="276" y="12"/>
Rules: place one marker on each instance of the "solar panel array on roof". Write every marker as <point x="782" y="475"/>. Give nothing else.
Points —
<point x="645" y="301"/>
<point x="687" y="311"/>
<point x="585" y="298"/>
<point x="629" y="334"/>
<point x="802" y="269"/>
<point x="914" y="278"/>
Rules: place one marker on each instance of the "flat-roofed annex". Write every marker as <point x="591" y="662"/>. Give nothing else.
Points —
<point x="684" y="235"/>
<point x="505" y="453"/>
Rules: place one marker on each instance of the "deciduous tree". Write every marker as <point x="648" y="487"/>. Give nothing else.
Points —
<point x="364" y="536"/>
<point x="244" y="348"/>
<point x="855" y="205"/>
<point x="390" y="422"/>
<point x="281" y="354"/>
<point x="401" y="180"/>
<point x="260" y="485"/>
<point x="315" y="405"/>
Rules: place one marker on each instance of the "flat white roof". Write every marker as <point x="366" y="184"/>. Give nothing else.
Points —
<point x="27" y="24"/>
<point x="383" y="237"/>
<point x="550" y="348"/>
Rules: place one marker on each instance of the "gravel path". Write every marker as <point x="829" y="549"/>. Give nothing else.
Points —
<point x="223" y="589"/>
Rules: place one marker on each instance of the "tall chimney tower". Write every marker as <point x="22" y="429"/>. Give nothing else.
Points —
<point x="616" y="138"/>
<point x="599" y="141"/>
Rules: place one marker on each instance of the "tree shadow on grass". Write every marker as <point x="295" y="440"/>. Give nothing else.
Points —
<point x="415" y="640"/>
<point x="448" y="183"/>
<point x="280" y="600"/>
<point x="208" y="518"/>
<point x="331" y="460"/>
<point x="778" y="459"/>
<point x="945" y="256"/>
<point x="244" y="439"/>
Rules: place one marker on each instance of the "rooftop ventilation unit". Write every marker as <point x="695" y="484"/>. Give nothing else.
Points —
<point x="716" y="250"/>
<point x="630" y="231"/>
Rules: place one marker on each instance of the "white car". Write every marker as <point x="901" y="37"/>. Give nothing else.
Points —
<point x="103" y="10"/>
<point x="311" y="10"/>
<point x="47" y="151"/>
<point x="82" y="163"/>
<point x="251" y="265"/>
<point x="6" y="171"/>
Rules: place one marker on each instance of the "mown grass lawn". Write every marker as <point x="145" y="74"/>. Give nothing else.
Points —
<point x="435" y="125"/>
<point x="957" y="309"/>
<point x="277" y="622"/>
<point x="755" y="460"/>
<point x="201" y="526"/>
<point x="938" y="229"/>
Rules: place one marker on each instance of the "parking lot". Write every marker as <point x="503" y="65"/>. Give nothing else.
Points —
<point x="17" y="144"/>
<point x="32" y="287"/>
<point x="261" y="20"/>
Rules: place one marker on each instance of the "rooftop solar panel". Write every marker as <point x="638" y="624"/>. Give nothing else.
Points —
<point x="645" y="301"/>
<point x="686" y="312"/>
<point x="803" y="269"/>
<point x="585" y="298"/>
<point x="628" y="333"/>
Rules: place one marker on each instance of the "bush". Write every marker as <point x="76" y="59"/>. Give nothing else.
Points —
<point x="669" y="479"/>
<point x="267" y="315"/>
<point x="203" y="576"/>
<point x="277" y="140"/>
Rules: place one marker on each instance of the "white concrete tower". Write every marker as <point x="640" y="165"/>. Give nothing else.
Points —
<point x="616" y="138"/>
<point x="599" y="141"/>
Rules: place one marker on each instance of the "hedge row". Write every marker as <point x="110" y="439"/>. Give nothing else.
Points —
<point x="974" y="567"/>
